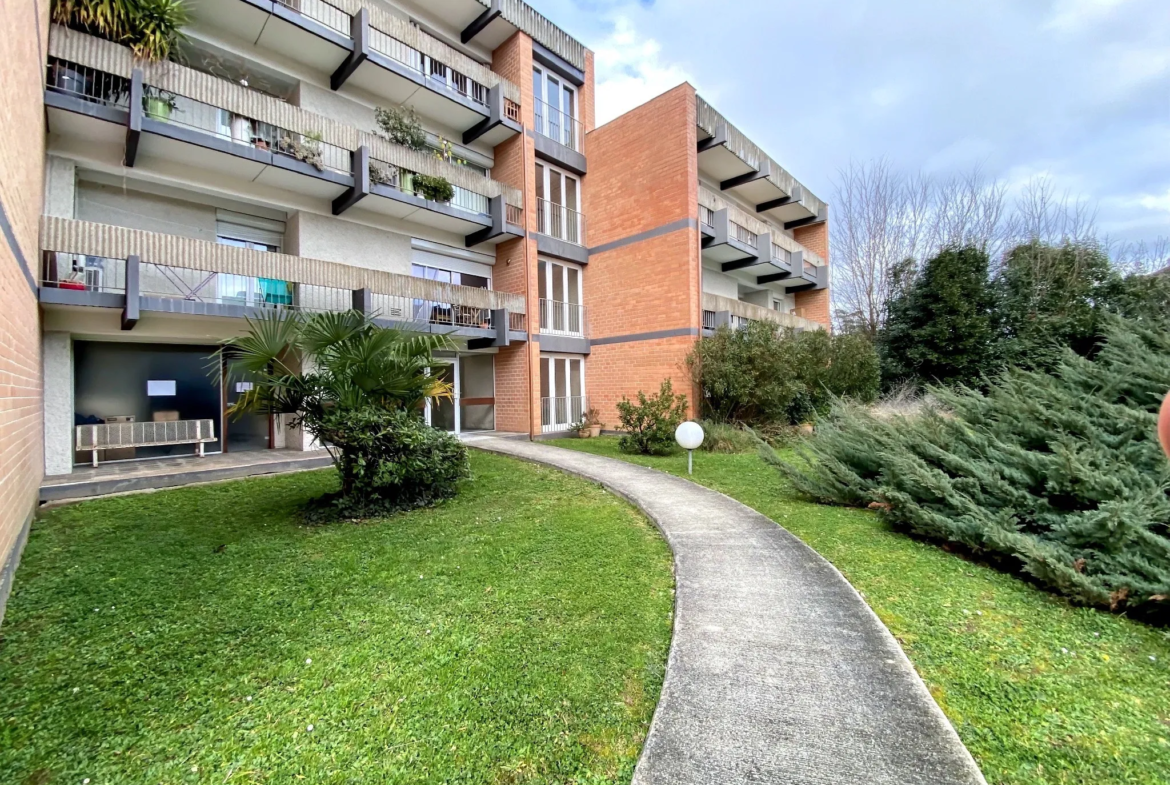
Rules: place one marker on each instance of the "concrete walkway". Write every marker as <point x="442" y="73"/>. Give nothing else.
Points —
<point x="778" y="671"/>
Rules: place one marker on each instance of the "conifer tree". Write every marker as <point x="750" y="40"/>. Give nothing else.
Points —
<point x="1056" y="474"/>
<point x="940" y="327"/>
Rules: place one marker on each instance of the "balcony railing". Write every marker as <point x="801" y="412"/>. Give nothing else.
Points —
<point x="515" y="215"/>
<point x="809" y="268"/>
<point x="743" y="234"/>
<point x="92" y="257"/>
<point x="512" y="110"/>
<point x="706" y="215"/>
<point x="557" y="125"/>
<point x="92" y="85"/>
<point x="402" y="179"/>
<point x="557" y="414"/>
<point x="319" y="11"/>
<point x="560" y="318"/>
<point x="434" y="70"/>
<point x="560" y="222"/>
<point x="741" y="313"/>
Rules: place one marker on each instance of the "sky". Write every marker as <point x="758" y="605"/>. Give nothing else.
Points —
<point x="1077" y="91"/>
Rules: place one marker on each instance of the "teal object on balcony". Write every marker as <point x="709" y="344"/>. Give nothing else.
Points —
<point x="276" y="292"/>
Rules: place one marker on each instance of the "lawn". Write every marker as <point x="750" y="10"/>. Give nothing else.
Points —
<point x="516" y="634"/>
<point x="1040" y="691"/>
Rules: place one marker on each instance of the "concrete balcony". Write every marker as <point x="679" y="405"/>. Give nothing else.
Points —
<point x="756" y="254"/>
<point x="560" y="232"/>
<point x="737" y="164"/>
<point x="95" y="94"/>
<point x="143" y="274"/>
<point x="380" y="52"/>
<point x="719" y="311"/>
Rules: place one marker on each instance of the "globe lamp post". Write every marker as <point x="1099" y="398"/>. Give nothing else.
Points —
<point x="689" y="436"/>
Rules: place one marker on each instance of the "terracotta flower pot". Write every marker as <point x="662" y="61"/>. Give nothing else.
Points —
<point x="583" y="433"/>
<point x="594" y="431"/>
<point x="1164" y="425"/>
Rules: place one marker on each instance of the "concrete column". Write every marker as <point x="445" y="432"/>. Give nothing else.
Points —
<point x="60" y="187"/>
<point x="57" y="359"/>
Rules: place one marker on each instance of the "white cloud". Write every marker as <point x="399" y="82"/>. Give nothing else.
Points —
<point x="1069" y="16"/>
<point x="629" y="71"/>
<point x="1154" y="202"/>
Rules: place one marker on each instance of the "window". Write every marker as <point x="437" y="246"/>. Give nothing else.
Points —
<point x="557" y="205"/>
<point x="556" y="107"/>
<point x="561" y="309"/>
<point x="562" y="392"/>
<point x="255" y="234"/>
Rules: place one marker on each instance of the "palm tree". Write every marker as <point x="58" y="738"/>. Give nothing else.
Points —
<point x="312" y="365"/>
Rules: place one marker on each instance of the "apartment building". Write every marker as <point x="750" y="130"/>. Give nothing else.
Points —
<point x="250" y="175"/>
<point x="152" y="207"/>
<point x="692" y="226"/>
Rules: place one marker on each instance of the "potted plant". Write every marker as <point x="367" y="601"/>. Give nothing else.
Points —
<point x="304" y="147"/>
<point x="593" y="422"/>
<point x="383" y="175"/>
<point x="434" y="189"/>
<point x="159" y="103"/>
<point x="582" y="429"/>
<point x="151" y="28"/>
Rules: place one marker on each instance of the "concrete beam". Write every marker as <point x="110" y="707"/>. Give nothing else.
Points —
<point x="359" y="31"/>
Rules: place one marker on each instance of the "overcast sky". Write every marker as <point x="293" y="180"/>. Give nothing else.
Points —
<point x="1078" y="90"/>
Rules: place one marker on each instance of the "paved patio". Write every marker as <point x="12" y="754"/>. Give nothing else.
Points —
<point x="127" y="476"/>
<point x="778" y="670"/>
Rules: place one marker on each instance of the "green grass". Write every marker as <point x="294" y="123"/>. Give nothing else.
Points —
<point x="1040" y="691"/>
<point x="516" y="634"/>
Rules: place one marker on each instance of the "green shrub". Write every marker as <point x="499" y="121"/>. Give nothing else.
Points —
<point x="758" y="375"/>
<point x="391" y="461"/>
<point x="649" y="424"/>
<point x="151" y="28"/>
<point x="435" y="189"/>
<point x="721" y="437"/>
<point x="401" y="126"/>
<point x="1057" y="474"/>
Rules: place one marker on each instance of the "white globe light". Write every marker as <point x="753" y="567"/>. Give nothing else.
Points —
<point x="689" y="435"/>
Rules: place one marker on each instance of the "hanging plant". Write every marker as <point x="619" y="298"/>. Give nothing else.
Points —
<point x="384" y="175"/>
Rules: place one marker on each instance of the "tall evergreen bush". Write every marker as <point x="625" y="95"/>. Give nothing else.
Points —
<point x="1056" y="474"/>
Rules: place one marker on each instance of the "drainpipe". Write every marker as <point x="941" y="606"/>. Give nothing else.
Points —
<point x="527" y="269"/>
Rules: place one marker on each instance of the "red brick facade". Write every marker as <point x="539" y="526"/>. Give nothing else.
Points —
<point x="23" y="31"/>
<point x="815" y="304"/>
<point x="642" y="172"/>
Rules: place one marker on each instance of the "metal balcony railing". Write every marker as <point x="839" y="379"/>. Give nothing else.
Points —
<point x="319" y="11"/>
<point x="809" y="268"/>
<point x="205" y="272"/>
<point x="83" y="273"/>
<point x="165" y="106"/>
<point x="511" y="110"/>
<point x="557" y="125"/>
<point x="706" y="215"/>
<point x="402" y="179"/>
<point x="515" y="215"/>
<point x="743" y="234"/>
<point x="435" y="71"/>
<point x="557" y="414"/>
<point x="560" y="222"/>
<point x="560" y="318"/>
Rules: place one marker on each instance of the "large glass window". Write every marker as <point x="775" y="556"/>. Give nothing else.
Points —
<point x="561" y="306"/>
<point x="562" y="392"/>
<point x="558" y="204"/>
<point x="555" y="108"/>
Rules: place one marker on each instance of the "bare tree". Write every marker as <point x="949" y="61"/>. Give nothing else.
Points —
<point x="1141" y="257"/>
<point x="879" y="221"/>
<point x="884" y="218"/>
<point x="1046" y="216"/>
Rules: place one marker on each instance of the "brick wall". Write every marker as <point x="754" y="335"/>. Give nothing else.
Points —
<point x="643" y="175"/>
<point x="23" y="31"/>
<point x="815" y="303"/>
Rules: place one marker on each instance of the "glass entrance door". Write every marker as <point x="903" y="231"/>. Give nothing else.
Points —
<point x="246" y="432"/>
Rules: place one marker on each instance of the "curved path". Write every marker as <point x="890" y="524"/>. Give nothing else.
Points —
<point x="778" y="671"/>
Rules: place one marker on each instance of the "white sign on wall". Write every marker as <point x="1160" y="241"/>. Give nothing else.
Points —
<point x="159" y="388"/>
